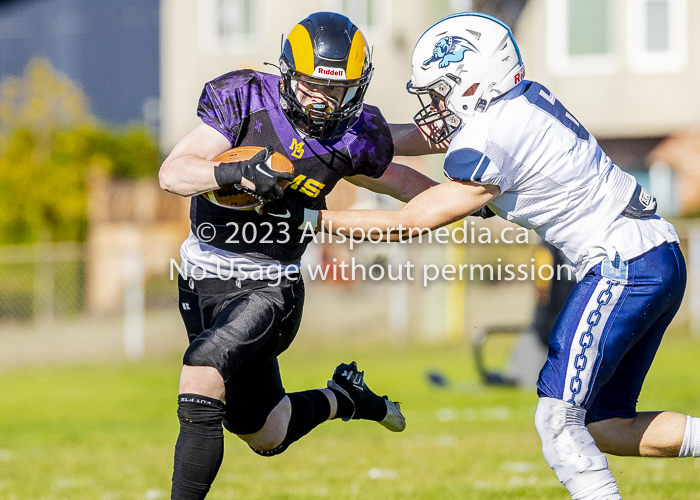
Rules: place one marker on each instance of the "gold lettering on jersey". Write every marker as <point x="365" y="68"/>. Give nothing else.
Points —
<point x="310" y="187"/>
<point x="297" y="148"/>
<point x="297" y="180"/>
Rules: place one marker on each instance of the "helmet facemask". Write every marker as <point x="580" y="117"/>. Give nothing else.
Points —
<point x="434" y="118"/>
<point x="323" y="109"/>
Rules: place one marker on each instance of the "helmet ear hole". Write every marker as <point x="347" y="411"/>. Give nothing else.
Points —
<point x="470" y="90"/>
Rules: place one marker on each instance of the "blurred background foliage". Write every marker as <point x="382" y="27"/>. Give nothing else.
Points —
<point x="49" y="142"/>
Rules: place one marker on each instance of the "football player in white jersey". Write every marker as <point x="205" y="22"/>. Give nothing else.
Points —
<point x="516" y="151"/>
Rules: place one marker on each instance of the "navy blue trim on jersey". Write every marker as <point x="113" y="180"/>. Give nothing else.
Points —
<point x="466" y="165"/>
<point x="539" y="96"/>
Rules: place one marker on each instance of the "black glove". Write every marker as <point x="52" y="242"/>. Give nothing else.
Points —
<point x="256" y="171"/>
<point x="484" y="212"/>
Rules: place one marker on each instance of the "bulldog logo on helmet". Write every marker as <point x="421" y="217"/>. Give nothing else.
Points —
<point x="450" y="49"/>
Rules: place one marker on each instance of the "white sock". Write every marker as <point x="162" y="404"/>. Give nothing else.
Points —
<point x="691" y="438"/>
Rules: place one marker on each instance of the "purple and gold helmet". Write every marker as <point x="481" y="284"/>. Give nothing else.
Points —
<point x="328" y="53"/>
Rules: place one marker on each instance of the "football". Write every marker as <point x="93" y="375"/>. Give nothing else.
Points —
<point x="229" y="196"/>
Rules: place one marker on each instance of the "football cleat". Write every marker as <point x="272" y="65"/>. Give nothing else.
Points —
<point x="350" y="382"/>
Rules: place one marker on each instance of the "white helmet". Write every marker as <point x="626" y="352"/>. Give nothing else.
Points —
<point x="465" y="60"/>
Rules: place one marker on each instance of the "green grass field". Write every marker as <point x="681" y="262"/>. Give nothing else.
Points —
<point x="108" y="432"/>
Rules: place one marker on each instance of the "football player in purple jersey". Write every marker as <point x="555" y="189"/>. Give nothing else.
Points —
<point x="236" y="322"/>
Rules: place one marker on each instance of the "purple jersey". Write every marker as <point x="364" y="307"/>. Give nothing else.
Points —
<point x="244" y="106"/>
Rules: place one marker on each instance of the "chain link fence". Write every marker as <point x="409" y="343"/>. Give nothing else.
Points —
<point x="49" y="282"/>
<point x="42" y="281"/>
<point x="46" y="282"/>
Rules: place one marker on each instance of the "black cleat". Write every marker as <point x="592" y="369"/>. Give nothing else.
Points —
<point x="349" y="381"/>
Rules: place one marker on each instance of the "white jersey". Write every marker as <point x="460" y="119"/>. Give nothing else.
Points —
<point x="200" y="260"/>
<point x="553" y="177"/>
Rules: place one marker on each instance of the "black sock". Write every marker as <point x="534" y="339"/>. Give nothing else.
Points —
<point x="373" y="406"/>
<point x="345" y="405"/>
<point x="200" y="446"/>
<point x="309" y="409"/>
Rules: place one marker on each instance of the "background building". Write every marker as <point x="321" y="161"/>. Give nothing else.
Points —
<point x="111" y="48"/>
<point x="624" y="68"/>
<point x="204" y="39"/>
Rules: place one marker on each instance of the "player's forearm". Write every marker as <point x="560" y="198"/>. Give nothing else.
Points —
<point x="357" y="224"/>
<point x="434" y="208"/>
<point x="187" y="175"/>
<point x="392" y="225"/>
<point x="410" y="141"/>
<point x="398" y="181"/>
<point x="412" y="185"/>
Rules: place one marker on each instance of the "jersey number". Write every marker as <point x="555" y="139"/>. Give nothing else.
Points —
<point x="308" y="186"/>
<point x="545" y="100"/>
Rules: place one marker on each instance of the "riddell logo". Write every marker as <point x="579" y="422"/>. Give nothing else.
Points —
<point x="519" y="77"/>
<point x="330" y="72"/>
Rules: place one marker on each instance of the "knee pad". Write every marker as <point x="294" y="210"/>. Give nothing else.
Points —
<point x="570" y="451"/>
<point x="200" y="445"/>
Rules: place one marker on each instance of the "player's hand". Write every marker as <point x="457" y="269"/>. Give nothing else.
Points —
<point x="263" y="177"/>
<point x="256" y="171"/>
